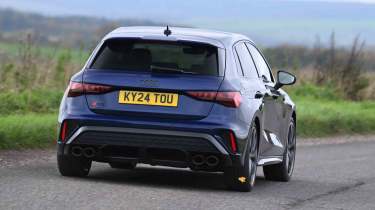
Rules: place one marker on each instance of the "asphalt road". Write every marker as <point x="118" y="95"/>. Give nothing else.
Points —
<point x="334" y="176"/>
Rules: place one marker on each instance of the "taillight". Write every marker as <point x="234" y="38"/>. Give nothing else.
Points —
<point x="63" y="131"/>
<point x="75" y="89"/>
<point x="230" y="99"/>
<point x="230" y="140"/>
<point x="66" y="129"/>
<point x="207" y="96"/>
<point x="78" y="89"/>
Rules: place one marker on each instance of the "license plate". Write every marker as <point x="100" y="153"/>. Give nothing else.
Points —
<point x="148" y="98"/>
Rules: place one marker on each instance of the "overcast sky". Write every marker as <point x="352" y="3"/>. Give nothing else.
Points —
<point x="158" y="9"/>
<point x="360" y="1"/>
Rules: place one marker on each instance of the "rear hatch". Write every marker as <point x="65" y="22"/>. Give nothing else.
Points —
<point x="153" y="78"/>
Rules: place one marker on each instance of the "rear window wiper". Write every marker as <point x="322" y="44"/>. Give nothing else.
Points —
<point x="162" y="69"/>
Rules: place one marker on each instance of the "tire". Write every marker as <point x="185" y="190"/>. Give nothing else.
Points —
<point x="72" y="166"/>
<point x="284" y="170"/>
<point x="123" y="165"/>
<point x="243" y="178"/>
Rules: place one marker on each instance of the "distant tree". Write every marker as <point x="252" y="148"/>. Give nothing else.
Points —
<point x="340" y="67"/>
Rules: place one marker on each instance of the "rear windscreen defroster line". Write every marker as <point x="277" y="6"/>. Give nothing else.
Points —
<point x="144" y="55"/>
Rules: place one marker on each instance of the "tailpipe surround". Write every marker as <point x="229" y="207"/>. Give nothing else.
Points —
<point x="198" y="160"/>
<point x="212" y="160"/>
<point x="89" y="152"/>
<point x="77" y="151"/>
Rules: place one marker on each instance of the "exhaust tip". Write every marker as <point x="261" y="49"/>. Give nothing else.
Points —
<point x="77" y="151"/>
<point x="89" y="152"/>
<point x="198" y="160"/>
<point x="212" y="161"/>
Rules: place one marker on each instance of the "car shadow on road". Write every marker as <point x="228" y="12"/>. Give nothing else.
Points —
<point x="164" y="177"/>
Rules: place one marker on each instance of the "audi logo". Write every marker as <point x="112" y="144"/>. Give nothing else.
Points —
<point x="149" y="83"/>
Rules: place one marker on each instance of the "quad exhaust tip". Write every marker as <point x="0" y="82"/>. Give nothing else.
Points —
<point x="210" y="161"/>
<point x="88" y="152"/>
<point x="77" y="151"/>
<point x="198" y="160"/>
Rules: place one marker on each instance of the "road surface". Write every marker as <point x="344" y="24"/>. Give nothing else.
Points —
<point x="327" y="176"/>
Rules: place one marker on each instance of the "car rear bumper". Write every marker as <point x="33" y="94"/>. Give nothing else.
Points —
<point x="191" y="141"/>
<point x="150" y="146"/>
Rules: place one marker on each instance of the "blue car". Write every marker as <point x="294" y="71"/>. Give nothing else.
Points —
<point x="179" y="97"/>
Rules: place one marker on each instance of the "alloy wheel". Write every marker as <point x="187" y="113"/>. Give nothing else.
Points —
<point x="253" y="156"/>
<point x="291" y="149"/>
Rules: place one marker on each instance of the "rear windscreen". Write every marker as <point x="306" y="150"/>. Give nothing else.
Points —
<point x="145" y="55"/>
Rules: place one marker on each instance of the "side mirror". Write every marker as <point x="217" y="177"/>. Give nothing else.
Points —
<point x="284" y="78"/>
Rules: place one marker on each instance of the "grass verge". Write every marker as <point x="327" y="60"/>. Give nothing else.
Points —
<point x="320" y="112"/>
<point x="314" y="118"/>
<point x="24" y="102"/>
<point x="317" y="118"/>
<point x="27" y="131"/>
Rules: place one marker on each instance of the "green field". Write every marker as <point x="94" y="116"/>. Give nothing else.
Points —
<point x="320" y="112"/>
<point x="322" y="118"/>
<point x="14" y="49"/>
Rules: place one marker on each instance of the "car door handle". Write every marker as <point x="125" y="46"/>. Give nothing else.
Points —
<point x="259" y="95"/>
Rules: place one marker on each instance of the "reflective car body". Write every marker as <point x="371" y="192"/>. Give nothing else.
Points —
<point x="199" y="127"/>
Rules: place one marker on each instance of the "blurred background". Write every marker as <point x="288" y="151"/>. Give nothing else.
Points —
<point x="328" y="44"/>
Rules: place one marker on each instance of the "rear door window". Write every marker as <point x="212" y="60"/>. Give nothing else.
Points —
<point x="143" y="55"/>
<point x="246" y="62"/>
<point x="261" y="64"/>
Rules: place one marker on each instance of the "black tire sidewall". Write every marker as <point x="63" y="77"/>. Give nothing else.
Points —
<point x="71" y="166"/>
<point x="232" y="174"/>
<point x="286" y="165"/>
<point x="279" y="172"/>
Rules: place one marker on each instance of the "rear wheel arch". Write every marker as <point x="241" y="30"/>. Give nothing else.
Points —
<point x="256" y="121"/>
<point x="294" y="118"/>
<point x="283" y="170"/>
<point x="242" y="178"/>
<point x="257" y="124"/>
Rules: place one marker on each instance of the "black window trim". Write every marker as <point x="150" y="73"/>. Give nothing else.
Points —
<point x="252" y="58"/>
<point x="238" y="58"/>
<point x="265" y="60"/>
